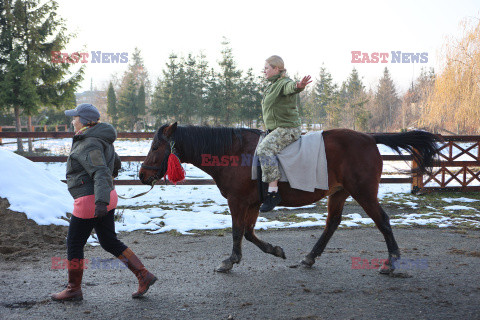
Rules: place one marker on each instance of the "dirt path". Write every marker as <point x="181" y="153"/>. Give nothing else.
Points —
<point x="262" y="286"/>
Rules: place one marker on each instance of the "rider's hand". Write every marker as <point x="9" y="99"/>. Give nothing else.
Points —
<point x="302" y="84"/>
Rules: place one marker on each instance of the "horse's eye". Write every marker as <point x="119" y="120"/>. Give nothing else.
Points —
<point x="155" y="146"/>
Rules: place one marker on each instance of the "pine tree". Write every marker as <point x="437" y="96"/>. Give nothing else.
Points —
<point x="158" y="107"/>
<point x="202" y="74"/>
<point x="192" y="98"/>
<point x="340" y="111"/>
<point x="355" y="101"/>
<point x="214" y="106"/>
<point x="250" y="98"/>
<point x="169" y="92"/>
<point x="324" y="98"/>
<point x="30" y="32"/>
<point x="137" y="68"/>
<point x="201" y="71"/>
<point x="387" y="101"/>
<point x="140" y="105"/>
<point x="229" y="78"/>
<point x="112" y="104"/>
<point x="128" y="106"/>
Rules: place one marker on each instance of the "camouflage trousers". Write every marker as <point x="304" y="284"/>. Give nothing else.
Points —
<point x="270" y="146"/>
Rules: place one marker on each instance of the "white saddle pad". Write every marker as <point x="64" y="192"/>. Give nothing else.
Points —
<point x="303" y="163"/>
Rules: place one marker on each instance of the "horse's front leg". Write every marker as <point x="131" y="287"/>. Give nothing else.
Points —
<point x="251" y="219"/>
<point x="238" y="211"/>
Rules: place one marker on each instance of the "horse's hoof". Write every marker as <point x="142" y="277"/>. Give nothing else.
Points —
<point x="307" y="262"/>
<point x="386" y="271"/>
<point x="278" y="252"/>
<point x="388" y="266"/>
<point x="224" y="267"/>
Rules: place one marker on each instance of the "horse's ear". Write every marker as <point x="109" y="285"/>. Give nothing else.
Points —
<point x="170" y="129"/>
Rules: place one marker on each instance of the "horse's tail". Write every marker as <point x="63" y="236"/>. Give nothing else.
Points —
<point x="421" y="144"/>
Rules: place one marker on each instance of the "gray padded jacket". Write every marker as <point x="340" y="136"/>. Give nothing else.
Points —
<point x="91" y="163"/>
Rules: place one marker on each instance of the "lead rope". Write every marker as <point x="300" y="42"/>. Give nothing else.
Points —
<point x="140" y="194"/>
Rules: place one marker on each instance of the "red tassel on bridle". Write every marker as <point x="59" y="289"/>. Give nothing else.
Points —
<point x="175" y="171"/>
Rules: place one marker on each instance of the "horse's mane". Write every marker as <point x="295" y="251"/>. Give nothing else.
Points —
<point x="198" y="140"/>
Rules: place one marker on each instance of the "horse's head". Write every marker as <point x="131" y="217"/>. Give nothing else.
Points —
<point x="155" y="165"/>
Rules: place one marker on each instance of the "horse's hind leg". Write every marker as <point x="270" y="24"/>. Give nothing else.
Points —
<point x="373" y="209"/>
<point x="251" y="219"/>
<point x="335" y="208"/>
<point x="238" y="211"/>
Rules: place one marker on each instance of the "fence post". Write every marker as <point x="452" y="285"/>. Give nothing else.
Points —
<point x="478" y="147"/>
<point x="417" y="177"/>
<point x="56" y="128"/>
<point x="1" y="138"/>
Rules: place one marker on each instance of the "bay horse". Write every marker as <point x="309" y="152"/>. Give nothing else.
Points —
<point x="354" y="169"/>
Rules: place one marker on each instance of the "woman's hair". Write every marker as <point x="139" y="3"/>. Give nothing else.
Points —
<point x="91" y="123"/>
<point x="276" y="61"/>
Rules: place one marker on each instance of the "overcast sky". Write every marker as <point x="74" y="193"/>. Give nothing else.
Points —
<point x="304" y="33"/>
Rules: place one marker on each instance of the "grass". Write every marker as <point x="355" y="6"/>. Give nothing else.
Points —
<point x="293" y="217"/>
<point x="118" y="215"/>
<point x="186" y="206"/>
<point x="206" y="203"/>
<point x="429" y="202"/>
<point x="174" y="232"/>
<point x="212" y="232"/>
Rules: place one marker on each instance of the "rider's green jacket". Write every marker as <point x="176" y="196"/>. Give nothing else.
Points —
<point x="91" y="163"/>
<point x="279" y="104"/>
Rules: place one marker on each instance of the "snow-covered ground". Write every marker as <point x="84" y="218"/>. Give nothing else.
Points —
<point x="34" y="188"/>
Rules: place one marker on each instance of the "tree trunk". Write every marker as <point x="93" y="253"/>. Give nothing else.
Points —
<point x="29" y="129"/>
<point x="18" y="125"/>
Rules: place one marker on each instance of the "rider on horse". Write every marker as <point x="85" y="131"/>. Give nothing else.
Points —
<point x="282" y="121"/>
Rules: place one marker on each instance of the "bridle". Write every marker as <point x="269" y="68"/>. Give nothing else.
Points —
<point x="162" y="169"/>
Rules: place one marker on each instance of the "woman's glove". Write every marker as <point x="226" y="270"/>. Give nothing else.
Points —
<point x="117" y="165"/>
<point x="100" y="210"/>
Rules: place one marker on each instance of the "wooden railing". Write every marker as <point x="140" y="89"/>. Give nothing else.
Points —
<point x="449" y="170"/>
<point x="442" y="175"/>
<point x="55" y="127"/>
<point x="43" y="127"/>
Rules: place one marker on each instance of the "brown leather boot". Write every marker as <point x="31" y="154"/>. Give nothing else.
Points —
<point x="73" y="292"/>
<point x="145" y="278"/>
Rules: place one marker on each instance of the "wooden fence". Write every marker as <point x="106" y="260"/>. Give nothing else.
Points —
<point x="45" y="128"/>
<point x="39" y="128"/>
<point x="464" y="173"/>
<point x="450" y="173"/>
